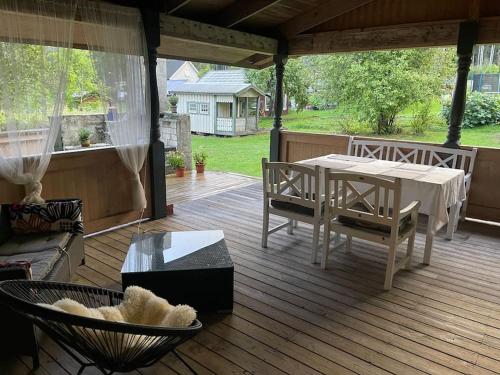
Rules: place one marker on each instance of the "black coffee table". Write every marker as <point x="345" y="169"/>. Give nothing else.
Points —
<point x="192" y="267"/>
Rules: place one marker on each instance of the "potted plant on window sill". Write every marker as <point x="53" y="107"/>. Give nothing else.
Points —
<point x="200" y="160"/>
<point x="176" y="160"/>
<point x="84" y="137"/>
<point x="173" y="100"/>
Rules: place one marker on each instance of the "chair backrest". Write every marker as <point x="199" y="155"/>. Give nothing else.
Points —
<point x="372" y="199"/>
<point x="294" y="183"/>
<point x="414" y="153"/>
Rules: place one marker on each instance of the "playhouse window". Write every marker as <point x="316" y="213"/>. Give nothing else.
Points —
<point x="204" y="108"/>
<point x="193" y="107"/>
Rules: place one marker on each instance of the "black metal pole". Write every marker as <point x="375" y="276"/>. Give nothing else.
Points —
<point x="151" y="20"/>
<point x="467" y="36"/>
<point x="280" y="60"/>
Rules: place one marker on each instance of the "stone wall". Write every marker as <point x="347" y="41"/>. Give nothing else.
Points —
<point x="71" y="125"/>
<point x="176" y="133"/>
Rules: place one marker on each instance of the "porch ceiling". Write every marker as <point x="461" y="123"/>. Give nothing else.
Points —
<point x="327" y="26"/>
<point x="246" y="33"/>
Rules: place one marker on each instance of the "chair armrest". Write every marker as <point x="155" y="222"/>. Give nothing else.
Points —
<point x="412" y="207"/>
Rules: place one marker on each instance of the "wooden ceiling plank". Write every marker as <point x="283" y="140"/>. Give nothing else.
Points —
<point x="318" y="15"/>
<point x="240" y="10"/>
<point x="173" y="5"/>
<point x="185" y="29"/>
<point x="430" y="34"/>
<point x="474" y="9"/>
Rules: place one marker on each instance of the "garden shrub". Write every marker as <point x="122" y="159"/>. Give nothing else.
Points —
<point x="422" y="118"/>
<point x="352" y="126"/>
<point x="480" y="109"/>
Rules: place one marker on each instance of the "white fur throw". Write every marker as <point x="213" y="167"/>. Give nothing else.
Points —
<point x="139" y="306"/>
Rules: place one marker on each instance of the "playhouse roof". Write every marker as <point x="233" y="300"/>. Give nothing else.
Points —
<point x="231" y="82"/>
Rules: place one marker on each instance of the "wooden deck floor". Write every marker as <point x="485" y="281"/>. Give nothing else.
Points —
<point x="195" y="186"/>
<point x="292" y="317"/>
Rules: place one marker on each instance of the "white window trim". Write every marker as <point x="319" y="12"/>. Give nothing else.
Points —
<point x="195" y="111"/>
<point x="200" y="111"/>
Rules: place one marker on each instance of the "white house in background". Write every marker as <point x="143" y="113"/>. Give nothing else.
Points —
<point x="178" y="70"/>
<point x="221" y="102"/>
<point x="170" y="74"/>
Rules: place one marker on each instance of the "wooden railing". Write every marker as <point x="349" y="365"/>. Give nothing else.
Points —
<point x="27" y="140"/>
<point x="96" y="176"/>
<point x="225" y="124"/>
<point x="484" y="199"/>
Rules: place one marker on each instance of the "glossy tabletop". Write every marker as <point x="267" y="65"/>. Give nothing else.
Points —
<point x="163" y="251"/>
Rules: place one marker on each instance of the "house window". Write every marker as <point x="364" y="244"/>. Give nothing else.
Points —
<point x="204" y="108"/>
<point x="193" y="108"/>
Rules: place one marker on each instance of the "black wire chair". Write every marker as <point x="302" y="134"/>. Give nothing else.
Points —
<point x="109" y="346"/>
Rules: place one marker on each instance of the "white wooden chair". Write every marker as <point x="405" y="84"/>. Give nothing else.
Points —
<point x="417" y="153"/>
<point x="382" y="221"/>
<point x="292" y="191"/>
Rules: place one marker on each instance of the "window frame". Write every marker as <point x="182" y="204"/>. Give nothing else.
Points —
<point x="196" y="110"/>
<point x="200" y="111"/>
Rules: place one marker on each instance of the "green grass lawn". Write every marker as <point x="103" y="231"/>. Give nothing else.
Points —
<point x="234" y="154"/>
<point x="243" y="154"/>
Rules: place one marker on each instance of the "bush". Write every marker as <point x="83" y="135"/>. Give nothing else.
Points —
<point x="352" y="126"/>
<point x="480" y="109"/>
<point x="422" y="118"/>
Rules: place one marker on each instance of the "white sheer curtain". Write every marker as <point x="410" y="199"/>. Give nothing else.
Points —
<point x="35" y="41"/>
<point x="119" y="53"/>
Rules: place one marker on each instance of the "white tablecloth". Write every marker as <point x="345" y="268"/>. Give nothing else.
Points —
<point x="436" y="188"/>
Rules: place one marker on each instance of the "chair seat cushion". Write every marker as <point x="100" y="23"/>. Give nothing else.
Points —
<point x="33" y="242"/>
<point x="296" y="208"/>
<point x="357" y="222"/>
<point x="41" y="262"/>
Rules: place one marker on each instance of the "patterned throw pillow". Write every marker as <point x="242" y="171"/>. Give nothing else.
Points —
<point x="52" y="216"/>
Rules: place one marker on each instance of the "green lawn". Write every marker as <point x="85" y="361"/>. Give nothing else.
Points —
<point x="243" y="154"/>
<point x="234" y="154"/>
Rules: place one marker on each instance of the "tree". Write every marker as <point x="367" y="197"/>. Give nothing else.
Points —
<point x="83" y="79"/>
<point x="379" y="85"/>
<point x="29" y="79"/>
<point x="295" y="83"/>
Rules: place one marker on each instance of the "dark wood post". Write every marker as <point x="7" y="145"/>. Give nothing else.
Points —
<point x="158" y="201"/>
<point x="467" y="36"/>
<point x="279" y="60"/>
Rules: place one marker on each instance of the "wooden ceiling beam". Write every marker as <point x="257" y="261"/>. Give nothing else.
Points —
<point x="173" y="5"/>
<point x="183" y="29"/>
<point x="316" y="16"/>
<point x="431" y="34"/>
<point x="240" y="10"/>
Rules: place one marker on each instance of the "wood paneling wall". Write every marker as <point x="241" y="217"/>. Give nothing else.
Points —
<point x="96" y="176"/>
<point x="484" y="199"/>
<point x="296" y="146"/>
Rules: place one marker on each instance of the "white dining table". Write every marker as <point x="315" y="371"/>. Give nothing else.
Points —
<point x="436" y="188"/>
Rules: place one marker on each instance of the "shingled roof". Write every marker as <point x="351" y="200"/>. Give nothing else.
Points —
<point x="231" y="81"/>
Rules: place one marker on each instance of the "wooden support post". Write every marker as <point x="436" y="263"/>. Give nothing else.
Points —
<point x="467" y="36"/>
<point x="279" y="61"/>
<point x="151" y="20"/>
